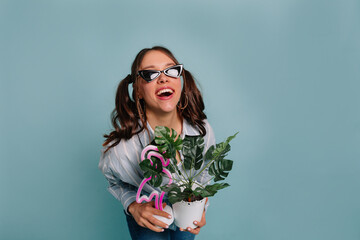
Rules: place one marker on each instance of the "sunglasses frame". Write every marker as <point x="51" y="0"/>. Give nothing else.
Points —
<point x="140" y="73"/>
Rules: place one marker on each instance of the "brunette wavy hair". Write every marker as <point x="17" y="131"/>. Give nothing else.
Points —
<point x="127" y="113"/>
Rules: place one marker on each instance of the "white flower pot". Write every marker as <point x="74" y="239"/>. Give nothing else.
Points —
<point x="185" y="213"/>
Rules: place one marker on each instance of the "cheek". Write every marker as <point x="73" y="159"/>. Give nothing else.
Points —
<point x="145" y="91"/>
<point x="141" y="90"/>
<point x="179" y="85"/>
<point x="141" y="93"/>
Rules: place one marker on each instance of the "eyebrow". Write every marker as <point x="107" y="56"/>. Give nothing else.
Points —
<point x="152" y="66"/>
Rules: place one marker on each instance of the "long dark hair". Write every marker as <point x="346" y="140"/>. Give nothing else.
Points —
<point x="125" y="117"/>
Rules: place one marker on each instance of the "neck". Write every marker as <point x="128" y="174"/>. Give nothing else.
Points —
<point x="170" y="120"/>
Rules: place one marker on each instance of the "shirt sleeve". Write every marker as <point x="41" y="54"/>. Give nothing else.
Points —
<point x="112" y="166"/>
<point x="123" y="192"/>
<point x="209" y="140"/>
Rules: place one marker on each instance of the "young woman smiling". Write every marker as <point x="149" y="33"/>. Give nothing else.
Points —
<point x="164" y="94"/>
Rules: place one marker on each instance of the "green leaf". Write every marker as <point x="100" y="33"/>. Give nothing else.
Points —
<point x="147" y="167"/>
<point x="215" y="187"/>
<point x="174" y="192"/>
<point x="193" y="147"/>
<point x="176" y="197"/>
<point x="198" y="191"/>
<point x="231" y="137"/>
<point x="152" y="170"/>
<point x="156" y="180"/>
<point x="209" y="153"/>
<point x="166" y="141"/>
<point x="222" y="148"/>
<point x="210" y="190"/>
<point x="171" y="168"/>
<point x="169" y="187"/>
<point x="220" y="169"/>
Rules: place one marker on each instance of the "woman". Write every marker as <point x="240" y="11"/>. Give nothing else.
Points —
<point x="159" y="98"/>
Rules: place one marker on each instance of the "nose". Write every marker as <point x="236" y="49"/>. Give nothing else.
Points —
<point x="162" y="78"/>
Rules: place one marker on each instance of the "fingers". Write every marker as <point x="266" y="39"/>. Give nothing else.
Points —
<point x="202" y="222"/>
<point x="157" y="222"/>
<point x="160" y="213"/>
<point x="195" y="231"/>
<point x="150" y="226"/>
<point x="198" y="224"/>
<point x="149" y="216"/>
<point x="144" y="216"/>
<point x="151" y="223"/>
<point x="149" y="208"/>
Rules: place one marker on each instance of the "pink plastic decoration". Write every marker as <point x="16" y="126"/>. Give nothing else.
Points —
<point x="158" y="200"/>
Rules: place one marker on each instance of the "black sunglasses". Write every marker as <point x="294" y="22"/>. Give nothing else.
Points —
<point x="173" y="71"/>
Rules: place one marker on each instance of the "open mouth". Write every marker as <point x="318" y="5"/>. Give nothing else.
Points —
<point x="166" y="92"/>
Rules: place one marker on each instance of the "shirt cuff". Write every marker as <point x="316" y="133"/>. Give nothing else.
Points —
<point x="127" y="203"/>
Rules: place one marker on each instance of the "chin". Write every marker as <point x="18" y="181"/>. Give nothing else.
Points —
<point x="168" y="108"/>
<point x="163" y="108"/>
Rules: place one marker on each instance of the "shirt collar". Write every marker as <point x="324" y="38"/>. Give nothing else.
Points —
<point x="187" y="130"/>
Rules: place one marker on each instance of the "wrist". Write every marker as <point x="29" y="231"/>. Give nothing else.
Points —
<point x="131" y="207"/>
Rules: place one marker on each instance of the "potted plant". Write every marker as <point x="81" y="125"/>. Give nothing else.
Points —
<point x="178" y="180"/>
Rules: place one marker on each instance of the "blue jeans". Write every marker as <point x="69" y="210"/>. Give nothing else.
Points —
<point x="140" y="233"/>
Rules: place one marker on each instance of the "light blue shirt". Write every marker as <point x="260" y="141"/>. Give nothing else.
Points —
<point x="120" y="164"/>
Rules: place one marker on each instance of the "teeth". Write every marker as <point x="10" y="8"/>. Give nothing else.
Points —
<point x="164" y="91"/>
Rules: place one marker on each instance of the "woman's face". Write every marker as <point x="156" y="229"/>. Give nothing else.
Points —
<point x="163" y="93"/>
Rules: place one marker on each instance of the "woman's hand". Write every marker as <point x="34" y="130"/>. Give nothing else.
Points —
<point x="199" y="225"/>
<point x="143" y="215"/>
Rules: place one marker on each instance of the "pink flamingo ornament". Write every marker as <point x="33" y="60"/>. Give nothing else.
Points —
<point x="153" y="152"/>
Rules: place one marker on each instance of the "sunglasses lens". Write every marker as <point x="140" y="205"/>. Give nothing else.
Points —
<point x="149" y="75"/>
<point x="174" y="71"/>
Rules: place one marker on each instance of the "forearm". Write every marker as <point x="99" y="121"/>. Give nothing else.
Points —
<point x="125" y="193"/>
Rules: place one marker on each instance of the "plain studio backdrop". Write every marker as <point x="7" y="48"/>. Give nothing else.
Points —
<point x="284" y="73"/>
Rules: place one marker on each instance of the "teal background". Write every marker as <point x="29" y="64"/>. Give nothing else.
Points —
<point x="284" y="73"/>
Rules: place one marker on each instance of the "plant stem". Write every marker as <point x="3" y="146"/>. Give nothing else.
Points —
<point x="209" y="180"/>
<point x="175" y="168"/>
<point x="207" y="165"/>
<point x="199" y="184"/>
<point x="182" y="164"/>
<point x="190" y="172"/>
<point x="176" y="179"/>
